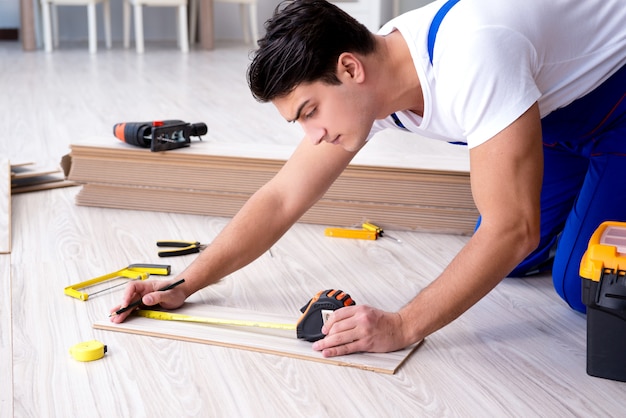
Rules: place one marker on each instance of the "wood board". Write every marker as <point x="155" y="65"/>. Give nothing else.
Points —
<point x="5" y="206"/>
<point x="270" y="341"/>
<point x="324" y="212"/>
<point x="423" y="193"/>
<point x="31" y="177"/>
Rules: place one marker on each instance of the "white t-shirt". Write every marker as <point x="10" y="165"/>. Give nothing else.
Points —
<point x="494" y="58"/>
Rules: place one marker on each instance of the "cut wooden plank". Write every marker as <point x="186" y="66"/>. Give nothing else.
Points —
<point x="270" y="341"/>
<point x="403" y="186"/>
<point x="324" y="212"/>
<point x="29" y="177"/>
<point x="20" y="172"/>
<point x="35" y="184"/>
<point x="5" y="206"/>
<point x="391" y="150"/>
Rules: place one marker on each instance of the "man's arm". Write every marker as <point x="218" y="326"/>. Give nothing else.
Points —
<point x="267" y="215"/>
<point x="506" y="177"/>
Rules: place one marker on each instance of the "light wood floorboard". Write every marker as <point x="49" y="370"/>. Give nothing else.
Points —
<point x="5" y="206"/>
<point x="519" y="352"/>
<point x="6" y="338"/>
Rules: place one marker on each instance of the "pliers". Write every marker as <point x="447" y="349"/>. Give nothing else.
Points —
<point x="182" y="248"/>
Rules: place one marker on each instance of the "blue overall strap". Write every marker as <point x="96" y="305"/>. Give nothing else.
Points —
<point x="434" y="26"/>
<point x="397" y="121"/>
<point x="432" y="34"/>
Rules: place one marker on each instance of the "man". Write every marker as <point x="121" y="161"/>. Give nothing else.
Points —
<point x="535" y="88"/>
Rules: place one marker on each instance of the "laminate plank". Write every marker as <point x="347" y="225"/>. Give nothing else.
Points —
<point x="324" y="212"/>
<point x="5" y="206"/>
<point x="6" y="338"/>
<point x="269" y="341"/>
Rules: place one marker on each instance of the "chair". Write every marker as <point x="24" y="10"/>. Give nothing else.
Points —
<point x="248" y="18"/>
<point x="51" y="26"/>
<point x="183" y="36"/>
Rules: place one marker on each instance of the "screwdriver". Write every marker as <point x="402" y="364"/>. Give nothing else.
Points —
<point x="368" y="226"/>
<point x="351" y="233"/>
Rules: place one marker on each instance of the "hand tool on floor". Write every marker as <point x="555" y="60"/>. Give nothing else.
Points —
<point x="369" y="231"/>
<point x="603" y="273"/>
<point x="88" y="350"/>
<point x="132" y="272"/>
<point x="350" y="233"/>
<point x="138" y="302"/>
<point x="181" y="248"/>
<point x="379" y="231"/>
<point x="160" y="135"/>
<point x="308" y="327"/>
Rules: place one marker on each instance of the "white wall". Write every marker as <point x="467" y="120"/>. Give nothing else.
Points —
<point x="159" y="22"/>
<point x="9" y="14"/>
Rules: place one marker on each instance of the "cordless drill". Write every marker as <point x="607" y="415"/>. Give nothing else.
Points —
<point x="159" y="135"/>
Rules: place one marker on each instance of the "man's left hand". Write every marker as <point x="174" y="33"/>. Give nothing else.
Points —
<point x="361" y="328"/>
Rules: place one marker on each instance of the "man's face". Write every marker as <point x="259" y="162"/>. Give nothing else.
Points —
<point x="337" y="114"/>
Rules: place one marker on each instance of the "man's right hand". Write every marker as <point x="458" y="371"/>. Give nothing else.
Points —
<point x="150" y="295"/>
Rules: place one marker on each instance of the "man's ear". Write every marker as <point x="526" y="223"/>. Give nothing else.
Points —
<point x="350" y="67"/>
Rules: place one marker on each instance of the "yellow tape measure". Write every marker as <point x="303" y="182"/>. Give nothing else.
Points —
<point x="88" y="350"/>
<point x="167" y="316"/>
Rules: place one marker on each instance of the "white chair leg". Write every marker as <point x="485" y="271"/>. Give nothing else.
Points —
<point x="193" y="21"/>
<point x="47" y="30"/>
<point x="106" y="11"/>
<point x="55" y="25"/>
<point x="243" y="16"/>
<point x="138" y="28"/>
<point x="183" y="31"/>
<point x="93" y="32"/>
<point x="253" y="23"/>
<point x="126" y="11"/>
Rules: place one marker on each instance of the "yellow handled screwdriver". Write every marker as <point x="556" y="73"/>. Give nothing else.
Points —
<point x="350" y="233"/>
<point x="368" y="226"/>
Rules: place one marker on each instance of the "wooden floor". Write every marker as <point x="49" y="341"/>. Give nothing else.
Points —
<point x="518" y="352"/>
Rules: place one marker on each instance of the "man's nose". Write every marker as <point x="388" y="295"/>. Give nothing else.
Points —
<point x="314" y="133"/>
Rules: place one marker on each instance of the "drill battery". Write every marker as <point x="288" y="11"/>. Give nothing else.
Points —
<point x="603" y="273"/>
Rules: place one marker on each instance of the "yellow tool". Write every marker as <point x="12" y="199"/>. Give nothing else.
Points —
<point x="168" y="316"/>
<point x="132" y="272"/>
<point x="350" y="233"/>
<point x="379" y="231"/>
<point x="308" y="327"/>
<point x="88" y="350"/>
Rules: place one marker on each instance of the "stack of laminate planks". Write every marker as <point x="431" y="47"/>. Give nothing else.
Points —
<point x="385" y="184"/>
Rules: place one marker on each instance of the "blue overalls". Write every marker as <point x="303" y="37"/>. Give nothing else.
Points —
<point x="584" y="181"/>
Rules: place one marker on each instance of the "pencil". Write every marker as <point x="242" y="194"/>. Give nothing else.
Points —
<point x="138" y="302"/>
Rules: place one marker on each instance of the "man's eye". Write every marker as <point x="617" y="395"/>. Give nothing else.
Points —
<point x="310" y="114"/>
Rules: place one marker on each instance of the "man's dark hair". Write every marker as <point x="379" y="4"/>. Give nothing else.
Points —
<point x="303" y="41"/>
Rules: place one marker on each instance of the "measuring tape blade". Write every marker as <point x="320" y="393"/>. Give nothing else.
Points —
<point x="167" y="316"/>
